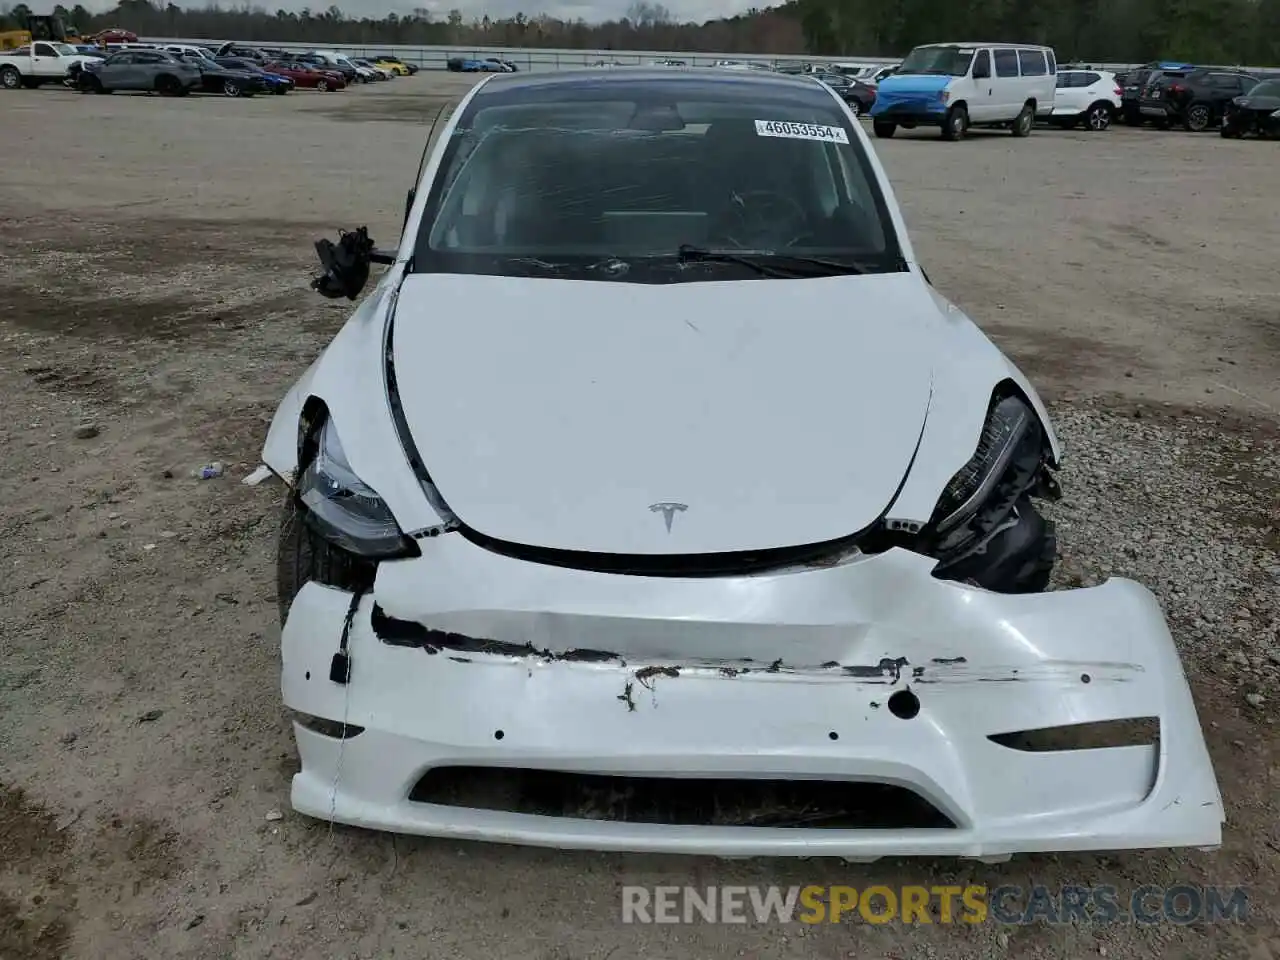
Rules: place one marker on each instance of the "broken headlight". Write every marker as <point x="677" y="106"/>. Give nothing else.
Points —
<point x="343" y="509"/>
<point x="1008" y="421"/>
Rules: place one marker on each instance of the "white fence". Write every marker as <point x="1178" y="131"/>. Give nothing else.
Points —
<point x="540" y="59"/>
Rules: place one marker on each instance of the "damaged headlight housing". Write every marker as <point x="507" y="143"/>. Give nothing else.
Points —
<point x="1008" y="422"/>
<point x="343" y="509"/>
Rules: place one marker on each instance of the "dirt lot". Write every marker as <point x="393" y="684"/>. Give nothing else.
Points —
<point x="154" y="283"/>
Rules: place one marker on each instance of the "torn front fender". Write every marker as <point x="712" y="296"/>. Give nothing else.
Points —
<point x="349" y="379"/>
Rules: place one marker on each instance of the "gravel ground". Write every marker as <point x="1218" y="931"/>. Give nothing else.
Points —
<point x="156" y="309"/>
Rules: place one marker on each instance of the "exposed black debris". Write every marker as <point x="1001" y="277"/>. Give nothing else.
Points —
<point x="461" y="659"/>
<point x="775" y="667"/>
<point x="949" y="661"/>
<point x="917" y="672"/>
<point x="831" y="664"/>
<point x="625" y="697"/>
<point x="646" y="673"/>
<point x="888" y="668"/>
<point x="733" y="671"/>
<point x="406" y="633"/>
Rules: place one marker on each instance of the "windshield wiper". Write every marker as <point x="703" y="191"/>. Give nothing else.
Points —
<point x="769" y="264"/>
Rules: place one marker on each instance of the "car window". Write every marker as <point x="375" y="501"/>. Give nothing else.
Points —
<point x="594" y="179"/>
<point x="1053" y="61"/>
<point x="1006" y="63"/>
<point x="942" y="61"/>
<point x="45" y="50"/>
<point x="1089" y="79"/>
<point x="1251" y="84"/>
<point x="120" y="59"/>
<point x="1032" y="63"/>
<point x="982" y="64"/>
<point x="1068" y="78"/>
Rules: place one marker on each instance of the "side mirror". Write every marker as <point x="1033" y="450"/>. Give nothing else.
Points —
<point x="346" y="264"/>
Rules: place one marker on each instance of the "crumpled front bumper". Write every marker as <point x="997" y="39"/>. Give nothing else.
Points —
<point x="779" y="676"/>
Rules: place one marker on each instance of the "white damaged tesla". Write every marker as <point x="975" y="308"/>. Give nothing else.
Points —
<point x="653" y="500"/>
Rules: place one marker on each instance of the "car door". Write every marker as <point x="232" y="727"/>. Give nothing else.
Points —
<point x="117" y="72"/>
<point x="147" y="66"/>
<point x="45" y="61"/>
<point x="1223" y="88"/>
<point x="1004" y="87"/>
<point x="982" y="107"/>
<point x="1034" y="81"/>
<point x="1066" y="93"/>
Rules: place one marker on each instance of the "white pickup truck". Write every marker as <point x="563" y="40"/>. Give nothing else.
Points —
<point x="40" y="62"/>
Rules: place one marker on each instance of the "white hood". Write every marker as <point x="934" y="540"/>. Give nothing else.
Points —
<point x="555" y="413"/>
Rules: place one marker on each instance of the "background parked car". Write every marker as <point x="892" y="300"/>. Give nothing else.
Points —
<point x="379" y="73"/>
<point x="858" y="95"/>
<point x="40" y="62"/>
<point x="1136" y="83"/>
<point x="156" y="70"/>
<point x="1257" y="111"/>
<point x="473" y="65"/>
<point x="240" y="50"/>
<point x="1197" y="100"/>
<point x="271" y="82"/>
<point x="217" y="77"/>
<point x="306" y="76"/>
<point x="396" y="66"/>
<point x="324" y="62"/>
<point x="1085" y="97"/>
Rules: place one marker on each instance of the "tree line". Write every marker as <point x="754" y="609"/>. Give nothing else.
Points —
<point x="1127" y="31"/>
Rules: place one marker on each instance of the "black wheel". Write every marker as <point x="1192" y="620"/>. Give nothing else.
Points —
<point x="10" y="78"/>
<point x="303" y="555"/>
<point x="168" y="86"/>
<point x="1025" y="121"/>
<point x="230" y="89"/>
<point x="1197" y="117"/>
<point x="884" y="129"/>
<point x="1098" y="117"/>
<point x="956" y="124"/>
<point x="322" y="85"/>
<point x="855" y="108"/>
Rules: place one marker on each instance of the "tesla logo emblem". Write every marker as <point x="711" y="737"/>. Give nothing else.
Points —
<point x="668" y="511"/>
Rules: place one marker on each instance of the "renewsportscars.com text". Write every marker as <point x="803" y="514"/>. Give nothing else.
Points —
<point x="1009" y="904"/>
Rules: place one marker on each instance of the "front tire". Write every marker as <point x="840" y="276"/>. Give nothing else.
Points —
<point x="1025" y="121"/>
<point x="956" y="124"/>
<point x="883" y="129"/>
<point x="322" y="85"/>
<point x="303" y="555"/>
<point x="230" y="89"/>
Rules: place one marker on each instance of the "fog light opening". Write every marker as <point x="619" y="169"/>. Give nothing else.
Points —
<point x="904" y="705"/>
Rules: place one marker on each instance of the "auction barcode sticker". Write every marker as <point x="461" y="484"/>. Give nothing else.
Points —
<point x="801" y="131"/>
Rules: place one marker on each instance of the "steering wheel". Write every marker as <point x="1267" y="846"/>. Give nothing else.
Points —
<point x="760" y="217"/>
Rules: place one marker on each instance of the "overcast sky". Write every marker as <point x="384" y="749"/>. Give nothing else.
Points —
<point x="590" y="10"/>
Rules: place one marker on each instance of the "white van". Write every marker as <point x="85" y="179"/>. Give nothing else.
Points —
<point x="956" y="86"/>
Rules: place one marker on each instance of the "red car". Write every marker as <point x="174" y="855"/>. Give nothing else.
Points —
<point x="303" y="75"/>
